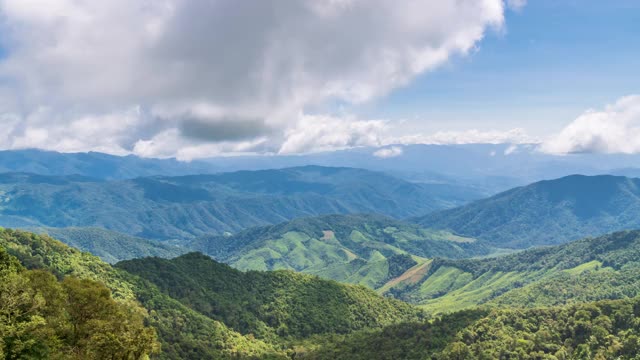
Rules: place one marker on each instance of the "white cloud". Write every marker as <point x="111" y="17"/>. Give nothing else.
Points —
<point x="322" y="133"/>
<point x="616" y="129"/>
<point x="516" y="5"/>
<point x="514" y="136"/>
<point x="215" y="72"/>
<point x="389" y="152"/>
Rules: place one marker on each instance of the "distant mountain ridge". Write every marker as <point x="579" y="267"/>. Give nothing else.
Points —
<point x="162" y="207"/>
<point x="547" y="212"/>
<point x="96" y="165"/>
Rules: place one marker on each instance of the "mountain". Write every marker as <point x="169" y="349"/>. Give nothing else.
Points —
<point x="96" y="165"/>
<point x="112" y="246"/>
<point x="546" y="212"/>
<point x="182" y="332"/>
<point x="269" y="304"/>
<point x="359" y="249"/>
<point x="198" y="307"/>
<point x="161" y="208"/>
<point x="606" y="267"/>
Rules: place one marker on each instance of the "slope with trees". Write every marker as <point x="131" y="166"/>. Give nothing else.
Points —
<point x="606" y="267"/>
<point x="182" y="332"/>
<point x="269" y="304"/>
<point x="547" y="212"/>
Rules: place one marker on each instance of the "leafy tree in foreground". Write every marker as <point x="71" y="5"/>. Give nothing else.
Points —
<point x="41" y="317"/>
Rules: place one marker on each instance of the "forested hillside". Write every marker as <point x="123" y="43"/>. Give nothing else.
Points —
<point x="600" y="330"/>
<point x="182" y="332"/>
<point x="47" y="317"/>
<point x="360" y="249"/>
<point x="606" y="267"/>
<point x="197" y="307"/>
<point x="546" y="212"/>
<point x="160" y="208"/>
<point x="269" y="304"/>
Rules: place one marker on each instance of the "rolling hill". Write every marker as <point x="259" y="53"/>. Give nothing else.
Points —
<point x="161" y="208"/>
<point x="269" y="304"/>
<point x="198" y="307"/>
<point x="547" y="212"/>
<point x="606" y="267"/>
<point x="358" y="249"/>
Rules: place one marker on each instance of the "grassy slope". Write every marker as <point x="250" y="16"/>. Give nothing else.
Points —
<point x="607" y="267"/>
<point x="359" y="249"/>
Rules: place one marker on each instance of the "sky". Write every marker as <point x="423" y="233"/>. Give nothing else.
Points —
<point x="193" y="78"/>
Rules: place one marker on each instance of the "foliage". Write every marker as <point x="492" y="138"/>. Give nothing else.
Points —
<point x="41" y="317"/>
<point x="269" y="304"/>
<point x="600" y="330"/>
<point x="182" y="332"/>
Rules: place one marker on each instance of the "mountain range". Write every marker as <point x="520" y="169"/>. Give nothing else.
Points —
<point x="161" y="208"/>
<point x="547" y="212"/>
<point x="198" y="308"/>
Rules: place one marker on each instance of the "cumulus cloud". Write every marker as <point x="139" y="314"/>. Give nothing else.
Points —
<point x="616" y="129"/>
<point x="388" y="152"/>
<point x="316" y="133"/>
<point x="206" y="74"/>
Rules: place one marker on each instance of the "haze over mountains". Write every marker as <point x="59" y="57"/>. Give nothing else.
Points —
<point x="488" y="168"/>
<point x="162" y="208"/>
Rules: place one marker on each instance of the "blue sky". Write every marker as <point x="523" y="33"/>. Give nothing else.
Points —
<point x="554" y="60"/>
<point x="191" y="78"/>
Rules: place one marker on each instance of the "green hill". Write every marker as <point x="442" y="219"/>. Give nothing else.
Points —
<point x="112" y="246"/>
<point x="269" y="304"/>
<point x="546" y="212"/>
<point x="359" y="249"/>
<point x="182" y="332"/>
<point x="160" y="208"/>
<point x="606" y="267"/>
<point x="198" y="308"/>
